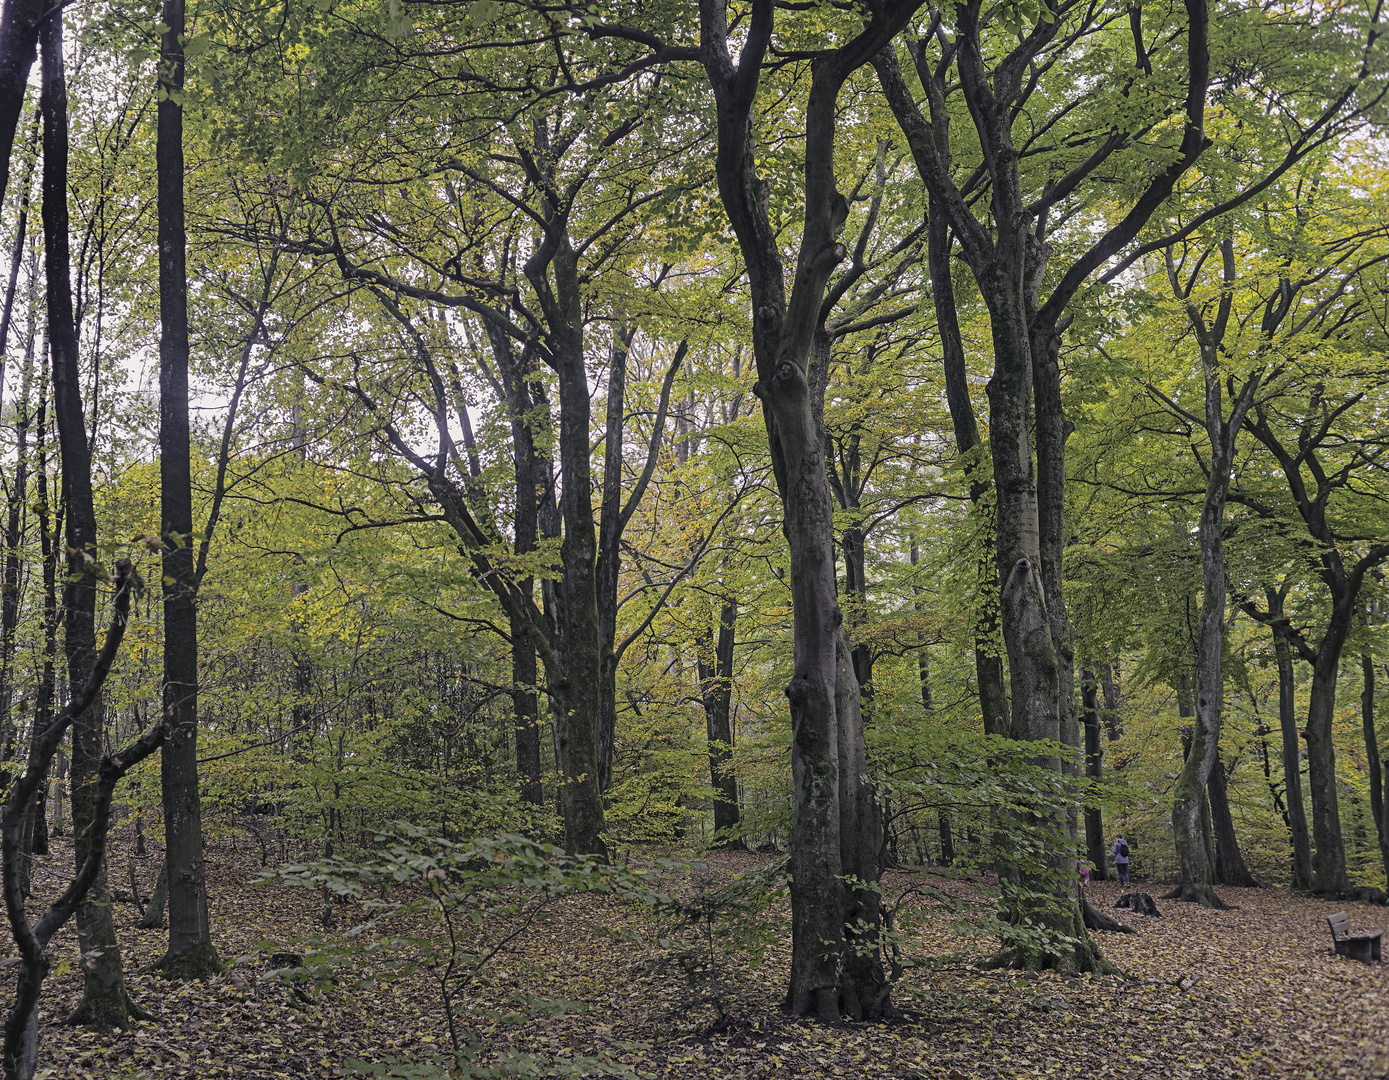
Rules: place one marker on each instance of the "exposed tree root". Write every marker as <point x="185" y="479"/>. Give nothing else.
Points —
<point x="1098" y="920"/>
<point x="1196" y="894"/>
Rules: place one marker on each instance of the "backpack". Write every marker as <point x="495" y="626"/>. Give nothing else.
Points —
<point x="1123" y="849"/>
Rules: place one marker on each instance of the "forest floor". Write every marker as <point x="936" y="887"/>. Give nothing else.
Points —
<point x="1269" y="999"/>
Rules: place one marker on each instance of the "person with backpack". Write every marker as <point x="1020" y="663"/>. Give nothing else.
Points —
<point x="1121" y="860"/>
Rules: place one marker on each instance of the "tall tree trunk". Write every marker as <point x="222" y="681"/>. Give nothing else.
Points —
<point x="1195" y="869"/>
<point x="1109" y="683"/>
<point x="1379" y="791"/>
<point x="575" y="683"/>
<point x="191" y="952"/>
<point x="1095" y="848"/>
<point x="105" y="1002"/>
<point x="18" y="502"/>
<point x="716" y="693"/>
<point x="1230" y="868"/>
<point x="988" y="660"/>
<point x="19" y="35"/>
<point x="1292" y="745"/>
<point x="1328" y="844"/>
<point x="48" y="548"/>
<point x="826" y="748"/>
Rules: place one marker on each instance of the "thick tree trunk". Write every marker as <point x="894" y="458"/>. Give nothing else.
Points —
<point x="1328" y="845"/>
<point x="105" y="1002"/>
<point x="191" y="952"/>
<point x="865" y="993"/>
<point x="574" y="676"/>
<point x="822" y="977"/>
<point x="716" y="693"/>
<point x="1292" y="753"/>
<point x="1095" y="848"/>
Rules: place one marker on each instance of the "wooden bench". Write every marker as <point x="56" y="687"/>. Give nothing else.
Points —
<point x="1363" y="947"/>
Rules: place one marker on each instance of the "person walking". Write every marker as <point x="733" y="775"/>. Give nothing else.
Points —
<point x="1121" y="860"/>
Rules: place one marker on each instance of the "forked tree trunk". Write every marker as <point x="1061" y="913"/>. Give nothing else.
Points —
<point x="988" y="661"/>
<point x="831" y="795"/>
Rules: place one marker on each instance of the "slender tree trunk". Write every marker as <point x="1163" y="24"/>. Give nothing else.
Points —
<point x="947" y="838"/>
<point x="1109" y="683"/>
<point x="1292" y="748"/>
<point x="18" y="502"/>
<point x="1195" y="869"/>
<point x="1379" y="792"/>
<point x="153" y="918"/>
<point x="45" y="695"/>
<point x="191" y="952"/>
<point x="988" y="660"/>
<point x="19" y="35"/>
<point x="716" y="692"/>
<point x="1095" y="848"/>
<point x="105" y="1002"/>
<point x="576" y="683"/>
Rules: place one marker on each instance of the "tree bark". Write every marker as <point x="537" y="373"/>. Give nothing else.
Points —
<point x="1195" y="869"/>
<point x="832" y="797"/>
<point x="19" y="35"/>
<point x="1292" y="746"/>
<point x="19" y="1055"/>
<point x="153" y="918"/>
<point x="105" y="1002"/>
<point x="191" y="952"/>
<point x="1379" y="800"/>
<point x="988" y="662"/>
<point x="1095" y="848"/>
<point x="716" y="693"/>
<point x="1230" y="868"/>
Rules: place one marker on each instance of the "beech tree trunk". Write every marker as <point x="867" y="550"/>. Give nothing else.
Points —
<point x="1095" y="848"/>
<point x="105" y="1002"/>
<point x="988" y="661"/>
<point x="1008" y="252"/>
<point x="1230" y="868"/>
<point x="716" y="693"/>
<point x="19" y="36"/>
<point x="1379" y="791"/>
<point x="1195" y="864"/>
<point x="1328" y="844"/>
<point x="191" y="952"/>
<point x="834" y="806"/>
<point x="1292" y="748"/>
